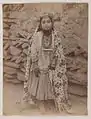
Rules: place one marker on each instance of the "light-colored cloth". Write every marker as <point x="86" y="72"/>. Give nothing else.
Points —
<point x="41" y="86"/>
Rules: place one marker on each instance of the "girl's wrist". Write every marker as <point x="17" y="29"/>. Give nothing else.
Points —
<point x="35" y="65"/>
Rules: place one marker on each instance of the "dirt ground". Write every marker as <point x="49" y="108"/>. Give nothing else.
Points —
<point x="12" y="106"/>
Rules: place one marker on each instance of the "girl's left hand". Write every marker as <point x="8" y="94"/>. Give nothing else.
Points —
<point x="37" y="72"/>
<point x="51" y="67"/>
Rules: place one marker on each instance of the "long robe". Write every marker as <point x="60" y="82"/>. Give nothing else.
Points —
<point x="57" y="78"/>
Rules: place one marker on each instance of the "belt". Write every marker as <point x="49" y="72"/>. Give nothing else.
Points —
<point x="44" y="70"/>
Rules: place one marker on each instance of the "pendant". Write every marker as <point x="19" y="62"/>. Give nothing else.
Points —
<point x="46" y="42"/>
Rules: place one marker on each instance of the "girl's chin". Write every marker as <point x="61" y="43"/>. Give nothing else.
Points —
<point x="46" y="29"/>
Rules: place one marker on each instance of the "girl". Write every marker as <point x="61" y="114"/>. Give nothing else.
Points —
<point x="45" y="71"/>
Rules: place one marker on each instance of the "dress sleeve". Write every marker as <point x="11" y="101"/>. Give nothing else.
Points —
<point x="32" y="57"/>
<point x="34" y="51"/>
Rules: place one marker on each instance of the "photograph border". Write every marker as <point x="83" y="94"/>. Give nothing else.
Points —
<point x="89" y="55"/>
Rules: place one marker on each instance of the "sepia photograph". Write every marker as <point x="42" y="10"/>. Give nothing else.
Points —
<point x="45" y="59"/>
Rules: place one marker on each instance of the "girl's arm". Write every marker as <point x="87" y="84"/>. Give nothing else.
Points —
<point x="31" y="58"/>
<point x="34" y="56"/>
<point x="34" y="52"/>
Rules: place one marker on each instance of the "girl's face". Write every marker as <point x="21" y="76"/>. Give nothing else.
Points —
<point x="46" y="23"/>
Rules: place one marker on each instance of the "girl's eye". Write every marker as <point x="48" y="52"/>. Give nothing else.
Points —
<point x="48" y="21"/>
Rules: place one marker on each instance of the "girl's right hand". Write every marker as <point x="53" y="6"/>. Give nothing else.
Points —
<point x="37" y="72"/>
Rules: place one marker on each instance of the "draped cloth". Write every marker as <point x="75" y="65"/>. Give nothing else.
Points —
<point x="57" y="77"/>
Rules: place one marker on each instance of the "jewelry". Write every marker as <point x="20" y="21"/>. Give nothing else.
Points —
<point x="47" y="41"/>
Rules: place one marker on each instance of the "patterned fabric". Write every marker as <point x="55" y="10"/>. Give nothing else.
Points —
<point x="58" y="77"/>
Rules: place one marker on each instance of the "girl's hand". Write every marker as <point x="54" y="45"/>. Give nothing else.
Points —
<point x="37" y="72"/>
<point x="51" y="67"/>
<point x="53" y="63"/>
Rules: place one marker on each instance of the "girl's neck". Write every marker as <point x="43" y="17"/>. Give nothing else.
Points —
<point x="47" y="33"/>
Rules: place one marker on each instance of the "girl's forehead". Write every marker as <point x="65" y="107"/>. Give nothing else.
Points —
<point x="46" y="18"/>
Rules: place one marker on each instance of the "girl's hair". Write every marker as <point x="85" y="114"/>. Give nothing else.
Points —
<point x="46" y="15"/>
